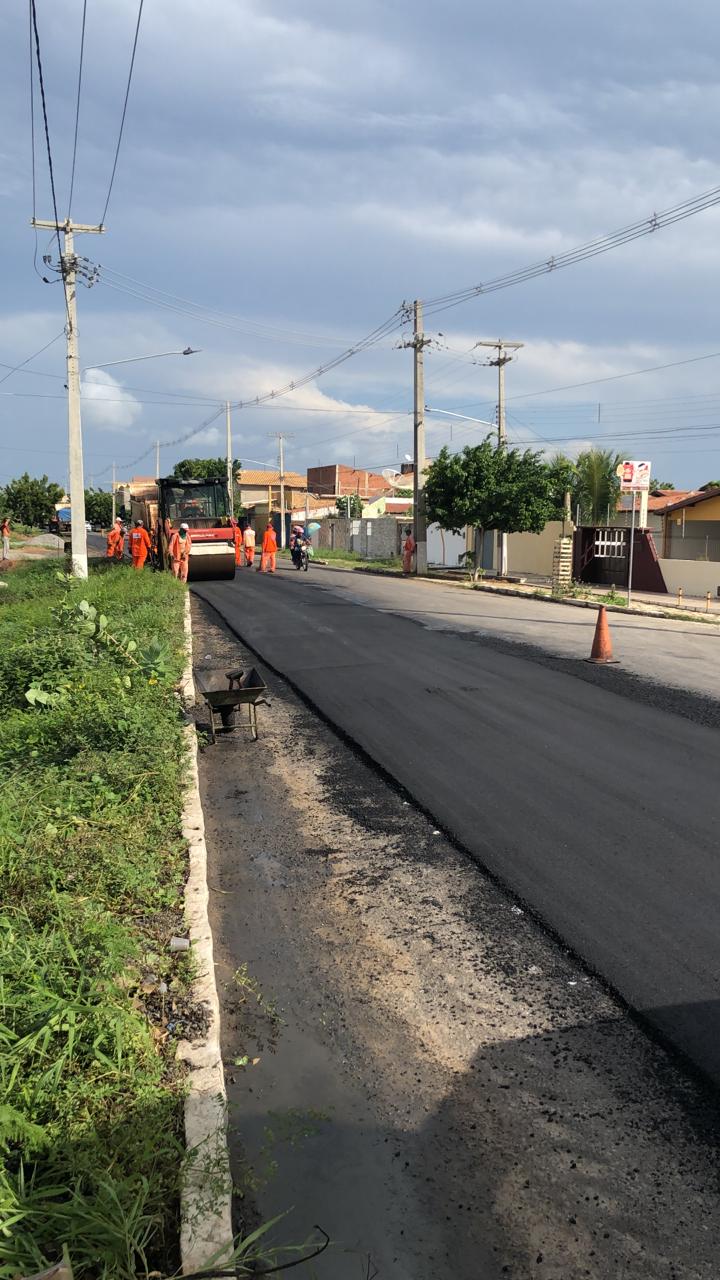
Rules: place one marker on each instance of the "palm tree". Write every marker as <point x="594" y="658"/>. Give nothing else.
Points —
<point x="596" y="486"/>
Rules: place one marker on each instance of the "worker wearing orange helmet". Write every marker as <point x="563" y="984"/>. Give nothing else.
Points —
<point x="140" y="544"/>
<point x="408" y="552"/>
<point x="116" y="541"/>
<point x="269" y="549"/>
<point x="179" y="547"/>
<point x="249" y="544"/>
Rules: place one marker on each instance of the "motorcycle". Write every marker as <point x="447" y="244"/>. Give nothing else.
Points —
<point x="300" y="556"/>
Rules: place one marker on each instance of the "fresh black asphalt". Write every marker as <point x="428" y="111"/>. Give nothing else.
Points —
<point x="599" y="811"/>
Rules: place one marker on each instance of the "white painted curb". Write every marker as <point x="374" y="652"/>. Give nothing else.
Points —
<point x="205" y="1210"/>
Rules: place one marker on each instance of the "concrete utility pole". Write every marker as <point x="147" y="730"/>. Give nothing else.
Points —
<point x="114" y="500"/>
<point x="68" y="272"/>
<point x="228" y="446"/>
<point x="418" y="342"/>
<point x="281" y="443"/>
<point x="501" y="359"/>
<point x="157" y="459"/>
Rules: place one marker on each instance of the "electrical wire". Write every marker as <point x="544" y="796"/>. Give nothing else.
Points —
<point x="77" y="106"/>
<point x="148" y="293"/>
<point x="33" y="14"/>
<point x="16" y="368"/>
<point x="38" y="272"/>
<point x="124" y="111"/>
<point x="593" y="248"/>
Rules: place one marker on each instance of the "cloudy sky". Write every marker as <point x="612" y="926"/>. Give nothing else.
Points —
<point x="291" y="173"/>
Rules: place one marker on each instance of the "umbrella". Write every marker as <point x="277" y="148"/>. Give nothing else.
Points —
<point x="313" y="527"/>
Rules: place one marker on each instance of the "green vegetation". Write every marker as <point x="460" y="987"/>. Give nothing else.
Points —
<point x="91" y="874"/>
<point x="489" y="488"/>
<point x="350" y="506"/>
<point x="30" y="501"/>
<point x="98" y="507"/>
<point x="210" y="469"/>
<point x="596" y="487"/>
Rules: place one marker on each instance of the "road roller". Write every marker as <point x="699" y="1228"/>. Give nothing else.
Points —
<point x="203" y="505"/>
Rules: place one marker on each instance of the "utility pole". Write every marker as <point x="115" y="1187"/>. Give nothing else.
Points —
<point x="418" y="342"/>
<point x="69" y="272"/>
<point x="281" y="444"/>
<point x="157" y="459"/>
<point x="505" y="353"/>
<point x="228" y="429"/>
<point x="114" y="499"/>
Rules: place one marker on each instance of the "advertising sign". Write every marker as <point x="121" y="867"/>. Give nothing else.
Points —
<point x="634" y="477"/>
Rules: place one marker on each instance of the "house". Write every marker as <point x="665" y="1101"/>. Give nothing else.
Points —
<point x="337" y="481"/>
<point x="387" y="506"/>
<point x="691" y="526"/>
<point x="263" y="487"/>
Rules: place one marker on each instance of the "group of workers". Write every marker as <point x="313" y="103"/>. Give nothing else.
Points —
<point x="140" y="546"/>
<point x="245" y="548"/>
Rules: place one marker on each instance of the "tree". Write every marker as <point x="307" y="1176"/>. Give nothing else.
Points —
<point x="657" y="486"/>
<point x="98" y="507"/>
<point x="711" y="484"/>
<point x="203" y="468"/>
<point x="350" y="505"/>
<point x="489" y="488"/>
<point x="596" y="487"/>
<point x="31" y="501"/>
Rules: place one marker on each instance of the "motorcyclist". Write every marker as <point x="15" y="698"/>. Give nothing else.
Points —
<point x="298" y="543"/>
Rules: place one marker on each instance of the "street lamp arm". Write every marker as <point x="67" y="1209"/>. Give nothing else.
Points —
<point x="463" y="416"/>
<point x="189" y="351"/>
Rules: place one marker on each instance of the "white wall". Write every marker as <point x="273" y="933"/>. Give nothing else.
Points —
<point x="444" y="548"/>
<point x="696" y="577"/>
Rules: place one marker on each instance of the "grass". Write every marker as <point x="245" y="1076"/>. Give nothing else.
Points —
<point x="91" y="878"/>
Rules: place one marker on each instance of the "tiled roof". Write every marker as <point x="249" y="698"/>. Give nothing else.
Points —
<point x="292" y="478"/>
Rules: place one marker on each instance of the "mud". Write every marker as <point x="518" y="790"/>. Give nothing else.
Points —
<point x="411" y="1062"/>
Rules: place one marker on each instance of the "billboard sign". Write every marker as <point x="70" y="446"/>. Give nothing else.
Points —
<point x="634" y="477"/>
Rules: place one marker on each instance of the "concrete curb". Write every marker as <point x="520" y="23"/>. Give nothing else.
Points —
<point x="206" y="1197"/>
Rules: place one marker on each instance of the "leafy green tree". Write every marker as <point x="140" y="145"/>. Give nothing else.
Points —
<point x="596" y="487"/>
<point x="660" y="485"/>
<point x="711" y="484"/>
<point x="490" y="488"/>
<point x="203" y="468"/>
<point x="29" y="500"/>
<point x="98" y="507"/>
<point x="350" y="505"/>
<point x="403" y="493"/>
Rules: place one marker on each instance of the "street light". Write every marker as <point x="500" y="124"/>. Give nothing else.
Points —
<point x="158" y="355"/>
<point x="448" y="414"/>
<point x="79" y="532"/>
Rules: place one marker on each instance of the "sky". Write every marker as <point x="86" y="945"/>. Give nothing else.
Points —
<point x="290" y="174"/>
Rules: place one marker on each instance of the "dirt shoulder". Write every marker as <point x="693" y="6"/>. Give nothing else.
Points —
<point x="438" y="1085"/>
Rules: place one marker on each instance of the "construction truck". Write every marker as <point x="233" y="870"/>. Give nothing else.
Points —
<point x="203" y="505"/>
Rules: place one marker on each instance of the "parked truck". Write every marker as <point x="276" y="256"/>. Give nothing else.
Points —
<point x="202" y="505"/>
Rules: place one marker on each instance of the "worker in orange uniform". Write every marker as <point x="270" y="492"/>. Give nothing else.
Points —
<point x="269" y="549"/>
<point x="238" y="540"/>
<point x="180" y="542"/>
<point x="140" y="544"/>
<point x="249" y="544"/>
<point x="408" y="552"/>
<point x="116" y="541"/>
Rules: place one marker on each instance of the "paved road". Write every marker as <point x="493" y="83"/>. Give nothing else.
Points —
<point x="599" y="811"/>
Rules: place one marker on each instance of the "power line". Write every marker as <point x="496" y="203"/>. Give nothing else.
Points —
<point x="33" y="14"/>
<point x="77" y="108"/>
<point x="124" y="111"/>
<point x="35" y="354"/>
<point x="603" y="244"/>
<point x="207" y="315"/>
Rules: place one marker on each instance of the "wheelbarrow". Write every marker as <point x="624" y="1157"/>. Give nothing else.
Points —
<point x="244" y="689"/>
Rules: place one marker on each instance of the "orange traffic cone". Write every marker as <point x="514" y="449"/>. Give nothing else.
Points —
<point x="602" y="644"/>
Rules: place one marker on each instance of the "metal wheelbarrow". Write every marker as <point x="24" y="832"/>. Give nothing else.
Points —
<point x="244" y="689"/>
